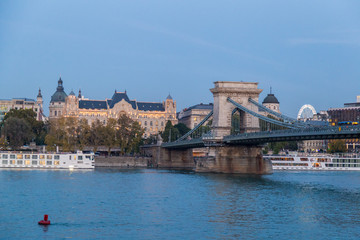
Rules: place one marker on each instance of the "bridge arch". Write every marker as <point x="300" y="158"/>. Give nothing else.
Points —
<point x="223" y="109"/>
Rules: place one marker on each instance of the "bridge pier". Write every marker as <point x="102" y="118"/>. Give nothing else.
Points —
<point x="234" y="159"/>
<point x="171" y="158"/>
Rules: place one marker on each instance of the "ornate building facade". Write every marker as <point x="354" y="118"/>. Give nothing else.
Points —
<point x="23" y="103"/>
<point x="152" y="116"/>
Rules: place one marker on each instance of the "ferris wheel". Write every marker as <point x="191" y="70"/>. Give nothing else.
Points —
<point x="306" y="112"/>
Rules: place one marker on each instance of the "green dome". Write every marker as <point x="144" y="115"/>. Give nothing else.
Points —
<point x="59" y="95"/>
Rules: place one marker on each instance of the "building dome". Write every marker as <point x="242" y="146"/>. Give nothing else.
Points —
<point x="270" y="98"/>
<point x="59" y="95"/>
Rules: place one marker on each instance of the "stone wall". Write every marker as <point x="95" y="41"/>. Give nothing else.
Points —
<point x="122" y="162"/>
<point x="234" y="159"/>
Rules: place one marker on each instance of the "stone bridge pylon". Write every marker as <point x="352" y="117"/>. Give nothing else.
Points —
<point x="223" y="109"/>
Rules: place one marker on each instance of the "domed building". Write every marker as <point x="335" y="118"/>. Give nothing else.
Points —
<point x="57" y="102"/>
<point x="271" y="102"/>
<point x="152" y="116"/>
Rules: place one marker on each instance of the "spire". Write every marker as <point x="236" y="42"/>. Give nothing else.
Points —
<point x="79" y="96"/>
<point x="60" y="85"/>
<point x="270" y="90"/>
<point x="169" y="97"/>
<point x="39" y="94"/>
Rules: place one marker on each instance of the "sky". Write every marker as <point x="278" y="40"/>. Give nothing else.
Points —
<point x="307" y="51"/>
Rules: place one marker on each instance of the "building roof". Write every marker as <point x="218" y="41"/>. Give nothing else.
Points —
<point x="147" y="106"/>
<point x="72" y="93"/>
<point x="117" y="97"/>
<point x="169" y="97"/>
<point x="270" y="98"/>
<point x="200" y="106"/>
<point x="92" y="104"/>
<point x="59" y="95"/>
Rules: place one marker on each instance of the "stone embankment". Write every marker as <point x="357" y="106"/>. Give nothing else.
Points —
<point x="122" y="161"/>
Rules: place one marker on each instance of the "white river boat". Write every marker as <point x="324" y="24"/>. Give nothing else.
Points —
<point x="339" y="162"/>
<point x="78" y="160"/>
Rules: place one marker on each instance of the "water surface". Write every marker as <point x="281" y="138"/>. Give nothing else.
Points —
<point x="162" y="204"/>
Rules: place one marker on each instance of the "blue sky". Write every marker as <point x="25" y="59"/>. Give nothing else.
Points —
<point x="308" y="51"/>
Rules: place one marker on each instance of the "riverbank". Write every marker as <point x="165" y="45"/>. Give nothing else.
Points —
<point x="122" y="161"/>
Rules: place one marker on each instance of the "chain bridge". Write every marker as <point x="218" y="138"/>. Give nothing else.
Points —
<point x="234" y="132"/>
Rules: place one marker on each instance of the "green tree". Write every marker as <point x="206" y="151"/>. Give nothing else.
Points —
<point x="97" y="134"/>
<point x="170" y="133"/>
<point x="17" y="131"/>
<point x="83" y="133"/>
<point x="38" y="128"/>
<point x="110" y="134"/>
<point x="337" y="146"/>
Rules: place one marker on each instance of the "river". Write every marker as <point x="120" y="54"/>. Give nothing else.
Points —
<point x="164" y="204"/>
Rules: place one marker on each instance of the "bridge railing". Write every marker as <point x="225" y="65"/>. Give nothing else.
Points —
<point x="302" y="131"/>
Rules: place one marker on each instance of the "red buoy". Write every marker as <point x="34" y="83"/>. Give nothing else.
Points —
<point x="45" y="221"/>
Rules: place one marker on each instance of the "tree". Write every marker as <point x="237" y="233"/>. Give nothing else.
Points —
<point x="110" y="134"/>
<point x="17" y="131"/>
<point x="38" y="128"/>
<point x="83" y="133"/>
<point x="97" y="134"/>
<point x="170" y="133"/>
<point x="336" y="146"/>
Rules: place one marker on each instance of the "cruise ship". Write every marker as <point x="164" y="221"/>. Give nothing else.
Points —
<point x="339" y="162"/>
<point x="70" y="161"/>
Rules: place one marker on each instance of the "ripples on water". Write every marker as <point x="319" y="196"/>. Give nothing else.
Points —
<point x="160" y="204"/>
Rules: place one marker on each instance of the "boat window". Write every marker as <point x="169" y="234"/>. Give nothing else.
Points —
<point x="4" y="156"/>
<point x="49" y="157"/>
<point x="88" y="156"/>
<point x="19" y="156"/>
<point x="56" y="162"/>
<point x="20" y="162"/>
<point x="33" y="162"/>
<point x="70" y="157"/>
<point x="42" y="162"/>
<point x="27" y="162"/>
<point x="27" y="156"/>
<point x="12" y="161"/>
<point x="4" y="161"/>
<point x="80" y="157"/>
<point x="48" y="162"/>
<point x="42" y="156"/>
<point x="12" y="156"/>
<point x="34" y="156"/>
<point x="80" y="162"/>
<point x="57" y="157"/>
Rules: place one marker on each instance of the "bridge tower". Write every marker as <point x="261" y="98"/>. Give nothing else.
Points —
<point x="223" y="109"/>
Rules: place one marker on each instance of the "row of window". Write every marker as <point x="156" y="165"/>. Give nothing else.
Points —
<point x="342" y="165"/>
<point x="28" y="162"/>
<point x="346" y="160"/>
<point x="156" y="123"/>
<point x="290" y="164"/>
<point x="28" y="156"/>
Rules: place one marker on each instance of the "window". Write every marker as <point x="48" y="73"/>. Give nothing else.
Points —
<point x="56" y="162"/>
<point x="48" y="162"/>
<point x="19" y="162"/>
<point x="12" y="161"/>
<point x="56" y="157"/>
<point x="151" y="123"/>
<point x="4" y="156"/>
<point x="4" y="161"/>
<point x="42" y="162"/>
<point x="145" y="123"/>
<point x="19" y="156"/>
<point x="27" y="156"/>
<point x="34" y="157"/>
<point x="80" y="158"/>
<point x="12" y="156"/>
<point x="49" y="157"/>
<point x="27" y="162"/>
<point x="42" y="156"/>
<point x="34" y="162"/>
